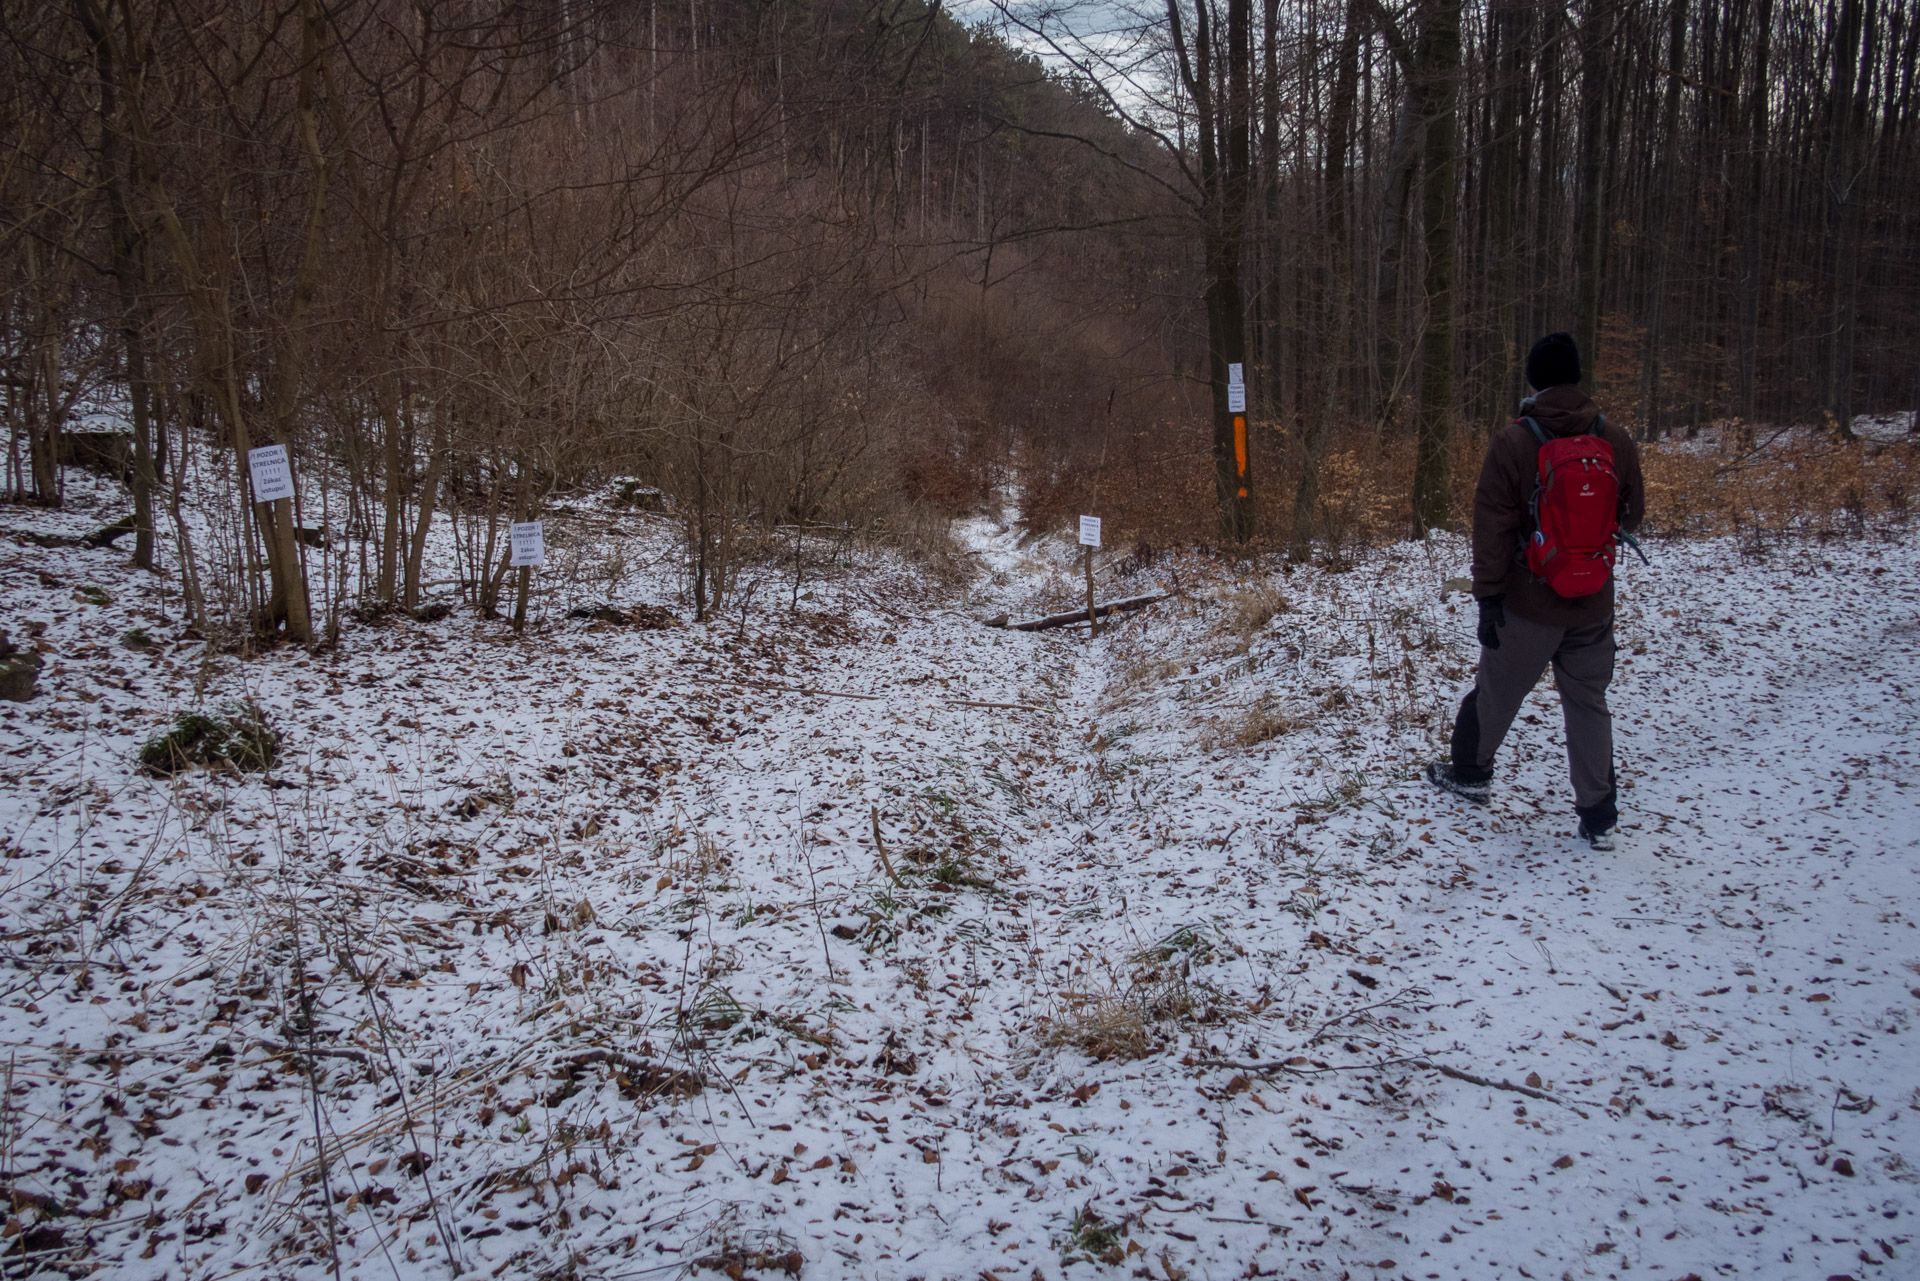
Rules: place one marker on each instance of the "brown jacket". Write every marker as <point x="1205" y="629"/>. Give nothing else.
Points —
<point x="1501" y="519"/>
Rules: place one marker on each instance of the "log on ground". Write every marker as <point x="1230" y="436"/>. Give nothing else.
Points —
<point x="1073" y="616"/>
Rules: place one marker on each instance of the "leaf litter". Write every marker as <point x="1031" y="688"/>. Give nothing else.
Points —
<point x="624" y="949"/>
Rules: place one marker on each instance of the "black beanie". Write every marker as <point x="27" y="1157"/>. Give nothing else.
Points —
<point x="1554" y="360"/>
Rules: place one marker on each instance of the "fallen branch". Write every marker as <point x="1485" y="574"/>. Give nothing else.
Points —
<point x="649" y="1077"/>
<point x="1425" y="1065"/>
<point x="1291" y="1069"/>
<point x="104" y="536"/>
<point x="1490" y="1083"/>
<point x="1011" y="707"/>
<point x="795" y="689"/>
<point x="101" y="537"/>
<point x="1080" y="615"/>
<point x="319" y="1051"/>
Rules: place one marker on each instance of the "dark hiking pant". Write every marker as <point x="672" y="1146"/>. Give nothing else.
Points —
<point x="1582" y="659"/>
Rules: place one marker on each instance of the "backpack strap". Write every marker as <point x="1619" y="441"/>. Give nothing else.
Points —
<point x="1596" y="428"/>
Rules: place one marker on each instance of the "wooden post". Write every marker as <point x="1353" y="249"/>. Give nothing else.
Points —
<point x="526" y="547"/>
<point x="1090" y="539"/>
<point x="1093" y="618"/>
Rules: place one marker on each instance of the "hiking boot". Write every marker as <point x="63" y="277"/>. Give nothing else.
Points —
<point x="1441" y="775"/>
<point x="1597" y="840"/>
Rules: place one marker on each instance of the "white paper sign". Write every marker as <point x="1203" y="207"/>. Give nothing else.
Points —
<point x="529" y="543"/>
<point x="1234" y="377"/>
<point x="272" y="474"/>
<point x="1237" y="398"/>
<point x="1089" y="531"/>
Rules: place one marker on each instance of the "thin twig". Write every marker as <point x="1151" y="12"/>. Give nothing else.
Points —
<point x="313" y="1086"/>
<point x="354" y="969"/>
<point x="813" y="894"/>
<point x="1381" y="1004"/>
<point x="880" y="847"/>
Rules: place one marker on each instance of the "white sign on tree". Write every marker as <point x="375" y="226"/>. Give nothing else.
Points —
<point x="529" y="543"/>
<point x="1236" y="398"/>
<point x="1236" y="376"/>
<point x="1089" y="531"/>
<point x="271" y="472"/>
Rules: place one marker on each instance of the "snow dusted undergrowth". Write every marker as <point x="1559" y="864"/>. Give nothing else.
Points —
<point x="576" y="954"/>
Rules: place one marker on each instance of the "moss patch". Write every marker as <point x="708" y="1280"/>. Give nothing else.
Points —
<point x="234" y="733"/>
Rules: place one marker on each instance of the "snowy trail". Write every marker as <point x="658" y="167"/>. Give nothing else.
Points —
<point x="1757" y="932"/>
<point x="594" y="924"/>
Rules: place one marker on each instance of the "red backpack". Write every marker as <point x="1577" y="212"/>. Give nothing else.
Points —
<point x="1576" y="512"/>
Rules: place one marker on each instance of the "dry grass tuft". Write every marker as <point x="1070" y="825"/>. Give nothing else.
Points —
<point x="1121" y="1024"/>
<point x="1251" y="609"/>
<point x="703" y="858"/>
<point x="1146" y="673"/>
<point x="1102" y="1028"/>
<point x="1262" y="723"/>
<point x="736" y="1250"/>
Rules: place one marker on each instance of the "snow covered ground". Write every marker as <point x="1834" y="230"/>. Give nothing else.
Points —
<point x="575" y="955"/>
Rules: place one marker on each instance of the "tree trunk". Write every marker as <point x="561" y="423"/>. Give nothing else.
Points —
<point x="1594" y="25"/>
<point x="127" y="252"/>
<point x="42" y="397"/>
<point x="699" y="525"/>
<point x="423" y="523"/>
<point x="1225" y="300"/>
<point x="1844" y="189"/>
<point x="1270" y="291"/>
<point x="1224" y="129"/>
<point x="1658" y="256"/>
<point x="1502" y="195"/>
<point x="1440" y="65"/>
<point x="1544" y="264"/>
<point x="1759" y="88"/>
<point x="393" y="463"/>
<point x="1335" y="302"/>
<point x="1403" y="161"/>
<point x="217" y="357"/>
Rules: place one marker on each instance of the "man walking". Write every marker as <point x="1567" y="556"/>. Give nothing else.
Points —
<point x="1545" y="587"/>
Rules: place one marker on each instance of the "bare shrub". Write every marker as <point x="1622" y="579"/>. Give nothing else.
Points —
<point x="924" y="533"/>
<point x="693" y="860"/>
<point x="944" y="479"/>
<point x="1790" y="483"/>
<point x="1360" y="500"/>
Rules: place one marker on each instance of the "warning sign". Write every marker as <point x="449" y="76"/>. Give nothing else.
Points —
<point x="529" y="543"/>
<point x="271" y="473"/>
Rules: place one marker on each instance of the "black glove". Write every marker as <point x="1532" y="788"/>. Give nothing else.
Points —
<point x="1493" y="616"/>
